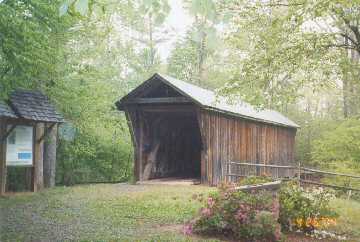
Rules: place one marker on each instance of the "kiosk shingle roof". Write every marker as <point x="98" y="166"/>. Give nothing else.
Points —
<point x="33" y="105"/>
<point x="6" y="111"/>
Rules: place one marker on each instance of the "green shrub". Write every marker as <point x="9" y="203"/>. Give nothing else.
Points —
<point x="250" y="216"/>
<point x="254" y="180"/>
<point x="305" y="209"/>
<point x="339" y="144"/>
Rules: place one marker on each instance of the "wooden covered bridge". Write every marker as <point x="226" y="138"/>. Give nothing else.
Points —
<point x="182" y="130"/>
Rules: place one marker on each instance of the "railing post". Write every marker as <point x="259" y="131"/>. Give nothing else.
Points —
<point x="227" y="177"/>
<point x="299" y="173"/>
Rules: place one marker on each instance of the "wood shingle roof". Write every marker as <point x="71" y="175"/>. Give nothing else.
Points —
<point x="33" y="105"/>
<point x="6" y="111"/>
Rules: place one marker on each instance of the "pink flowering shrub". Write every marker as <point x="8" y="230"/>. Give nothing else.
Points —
<point x="250" y="216"/>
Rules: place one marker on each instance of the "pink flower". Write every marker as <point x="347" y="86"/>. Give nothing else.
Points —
<point x="275" y="209"/>
<point x="206" y="212"/>
<point x="188" y="229"/>
<point x="210" y="202"/>
<point x="277" y="233"/>
<point x="241" y="216"/>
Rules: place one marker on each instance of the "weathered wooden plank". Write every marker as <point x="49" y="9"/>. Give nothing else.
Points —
<point x="206" y="146"/>
<point x="330" y="173"/>
<point x="160" y="100"/>
<point x="329" y="185"/>
<point x="208" y="153"/>
<point x="262" y="165"/>
<point x="265" y="186"/>
<point x="173" y="109"/>
<point x="2" y="157"/>
<point x="231" y="139"/>
<point x="131" y="122"/>
<point x="38" y="179"/>
<point x="218" y="167"/>
<point x="211" y="148"/>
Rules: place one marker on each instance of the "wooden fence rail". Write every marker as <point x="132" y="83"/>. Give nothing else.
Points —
<point x="280" y="172"/>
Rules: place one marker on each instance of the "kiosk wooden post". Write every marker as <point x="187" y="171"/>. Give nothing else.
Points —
<point x="2" y="157"/>
<point x="38" y="178"/>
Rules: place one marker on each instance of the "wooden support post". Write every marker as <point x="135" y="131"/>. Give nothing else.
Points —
<point x="7" y="133"/>
<point x="141" y="144"/>
<point x="50" y="142"/>
<point x="38" y="179"/>
<point x="2" y="158"/>
<point x="29" y="178"/>
<point x="48" y="128"/>
<point x="299" y="173"/>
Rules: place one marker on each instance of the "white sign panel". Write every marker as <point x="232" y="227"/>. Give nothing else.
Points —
<point x="19" y="151"/>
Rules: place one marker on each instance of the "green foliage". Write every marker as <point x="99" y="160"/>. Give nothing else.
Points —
<point x="78" y="72"/>
<point x="344" y="167"/>
<point x="349" y="215"/>
<point x="102" y="150"/>
<point x="277" y="65"/>
<point x="77" y="6"/>
<point x="145" y="18"/>
<point x="32" y="41"/>
<point x="304" y="209"/>
<point x="282" y="48"/>
<point x="339" y="144"/>
<point x="250" y="216"/>
<point x="182" y="63"/>
<point x="312" y="130"/>
<point x="254" y="180"/>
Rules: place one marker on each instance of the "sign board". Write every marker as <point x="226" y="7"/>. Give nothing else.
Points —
<point x="19" y="146"/>
<point x="67" y="132"/>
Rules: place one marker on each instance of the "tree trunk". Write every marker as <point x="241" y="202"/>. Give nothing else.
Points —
<point x="50" y="155"/>
<point x="151" y="43"/>
<point x="346" y="88"/>
<point x="354" y="86"/>
<point x="2" y="158"/>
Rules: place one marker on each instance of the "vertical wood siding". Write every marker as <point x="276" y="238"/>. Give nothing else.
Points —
<point x="227" y="138"/>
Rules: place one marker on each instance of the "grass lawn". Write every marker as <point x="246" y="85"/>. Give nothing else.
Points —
<point x="118" y="212"/>
<point x="99" y="213"/>
<point x="349" y="220"/>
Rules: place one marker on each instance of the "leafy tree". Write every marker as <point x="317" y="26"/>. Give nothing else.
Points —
<point x="144" y="19"/>
<point x="98" y="62"/>
<point x="339" y="144"/>
<point x="203" y="33"/>
<point x="199" y="57"/>
<point x="182" y="62"/>
<point x="32" y="40"/>
<point x="285" y="47"/>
